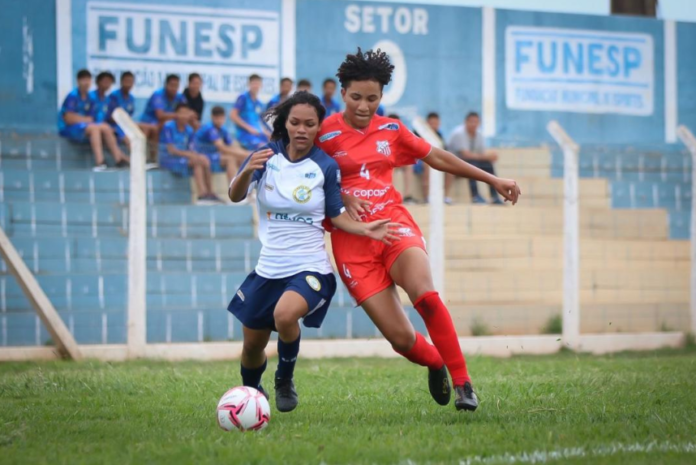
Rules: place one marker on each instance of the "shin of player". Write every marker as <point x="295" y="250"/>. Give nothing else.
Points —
<point x="298" y="186"/>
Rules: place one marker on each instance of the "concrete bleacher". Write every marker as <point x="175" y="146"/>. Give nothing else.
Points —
<point x="71" y="224"/>
<point x="503" y="270"/>
<point x="504" y="265"/>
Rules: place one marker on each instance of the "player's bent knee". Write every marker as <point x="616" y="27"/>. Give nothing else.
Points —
<point x="285" y="318"/>
<point x="402" y="341"/>
<point x="251" y="346"/>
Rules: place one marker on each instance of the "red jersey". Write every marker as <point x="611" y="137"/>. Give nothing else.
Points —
<point x="367" y="157"/>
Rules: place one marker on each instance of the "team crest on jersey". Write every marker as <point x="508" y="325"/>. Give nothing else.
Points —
<point x="313" y="283"/>
<point x="329" y="136"/>
<point x="302" y="194"/>
<point x="383" y="147"/>
<point x="389" y="127"/>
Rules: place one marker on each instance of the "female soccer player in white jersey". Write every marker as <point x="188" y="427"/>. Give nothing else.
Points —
<point x="298" y="186"/>
<point x="367" y="148"/>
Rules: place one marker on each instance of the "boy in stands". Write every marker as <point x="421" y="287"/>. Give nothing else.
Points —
<point x="76" y="123"/>
<point x="123" y="98"/>
<point x="213" y="140"/>
<point x="367" y="148"/>
<point x="329" y="89"/>
<point x="247" y="115"/>
<point x="177" y="155"/>
<point x="285" y="89"/>
<point x="162" y="103"/>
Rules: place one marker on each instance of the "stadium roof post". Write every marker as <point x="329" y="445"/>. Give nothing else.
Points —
<point x="137" y="243"/>
<point x="687" y="137"/>
<point x="571" y="236"/>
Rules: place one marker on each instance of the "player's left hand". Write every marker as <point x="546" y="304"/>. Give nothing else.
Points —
<point x="508" y="188"/>
<point x="383" y="231"/>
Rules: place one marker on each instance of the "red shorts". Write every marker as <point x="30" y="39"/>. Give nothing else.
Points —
<point x="364" y="263"/>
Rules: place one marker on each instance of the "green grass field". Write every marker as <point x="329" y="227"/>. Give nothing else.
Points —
<point x="629" y="408"/>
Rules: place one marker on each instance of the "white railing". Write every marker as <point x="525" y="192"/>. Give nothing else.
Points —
<point x="137" y="240"/>
<point x="689" y="140"/>
<point x="571" y="236"/>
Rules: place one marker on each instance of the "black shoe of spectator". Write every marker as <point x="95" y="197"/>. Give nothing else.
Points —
<point x="122" y="164"/>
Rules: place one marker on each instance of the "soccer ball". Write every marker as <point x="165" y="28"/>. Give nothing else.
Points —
<point x="243" y="408"/>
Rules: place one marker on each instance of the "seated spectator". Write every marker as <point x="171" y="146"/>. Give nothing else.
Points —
<point x="421" y="168"/>
<point x="100" y="96"/>
<point x="213" y="140"/>
<point x="161" y="105"/>
<point x="194" y="98"/>
<point x="122" y="98"/>
<point x="331" y="105"/>
<point x="76" y="123"/>
<point x="247" y="114"/>
<point x="304" y="85"/>
<point x="406" y="172"/>
<point x="285" y="89"/>
<point x="467" y="143"/>
<point x="178" y="156"/>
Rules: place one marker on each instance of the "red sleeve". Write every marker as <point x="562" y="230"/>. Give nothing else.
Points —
<point x="410" y="148"/>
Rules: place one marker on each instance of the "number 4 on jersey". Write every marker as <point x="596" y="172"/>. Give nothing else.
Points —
<point x="364" y="172"/>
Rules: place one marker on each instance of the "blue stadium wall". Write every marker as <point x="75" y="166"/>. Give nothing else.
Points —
<point x="440" y="47"/>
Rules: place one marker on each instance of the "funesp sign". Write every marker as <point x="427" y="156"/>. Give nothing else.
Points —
<point x="579" y="70"/>
<point x="223" y="45"/>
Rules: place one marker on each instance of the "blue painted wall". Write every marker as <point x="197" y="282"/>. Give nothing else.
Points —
<point x="531" y="125"/>
<point x="23" y="106"/>
<point x="686" y="74"/>
<point x="444" y="64"/>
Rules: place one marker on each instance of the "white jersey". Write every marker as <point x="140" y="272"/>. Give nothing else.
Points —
<point x="293" y="199"/>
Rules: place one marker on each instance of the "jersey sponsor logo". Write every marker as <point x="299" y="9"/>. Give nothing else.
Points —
<point x="380" y="206"/>
<point x="240" y="294"/>
<point x="310" y="175"/>
<point x="269" y="187"/>
<point x="383" y="147"/>
<point x="339" y="154"/>
<point x="329" y="136"/>
<point x="272" y="166"/>
<point x="273" y="216"/>
<point x="353" y="284"/>
<point x="313" y="283"/>
<point x="389" y="127"/>
<point x="302" y="194"/>
<point x="369" y="193"/>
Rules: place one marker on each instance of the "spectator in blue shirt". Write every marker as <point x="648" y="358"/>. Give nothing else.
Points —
<point x="331" y="105"/>
<point x="304" y="85"/>
<point x="76" y="123"/>
<point x="100" y="96"/>
<point x="161" y="105"/>
<point x="213" y="140"/>
<point x="123" y="98"/>
<point x="178" y="156"/>
<point x="285" y="89"/>
<point x="247" y="113"/>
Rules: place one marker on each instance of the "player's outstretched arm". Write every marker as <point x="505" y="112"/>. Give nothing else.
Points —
<point x="240" y="184"/>
<point x="380" y="230"/>
<point x="449" y="163"/>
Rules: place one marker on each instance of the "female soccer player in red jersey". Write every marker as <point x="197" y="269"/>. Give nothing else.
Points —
<point x="367" y="148"/>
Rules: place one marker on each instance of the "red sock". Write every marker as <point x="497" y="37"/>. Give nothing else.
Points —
<point x="423" y="353"/>
<point x="441" y="329"/>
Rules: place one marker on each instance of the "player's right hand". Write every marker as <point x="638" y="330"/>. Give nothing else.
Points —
<point x="258" y="160"/>
<point x="355" y="206"/>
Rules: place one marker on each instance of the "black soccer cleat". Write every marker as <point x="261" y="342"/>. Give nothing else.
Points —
<point x="286" y="396"/>
<point x="439" y="385"/>
<point x="465" y="397"/>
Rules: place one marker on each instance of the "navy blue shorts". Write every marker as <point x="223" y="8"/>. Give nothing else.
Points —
<point x="257" y="297"/>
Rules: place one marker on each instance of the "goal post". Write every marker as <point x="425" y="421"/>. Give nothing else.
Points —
<point x="137" y="241"/>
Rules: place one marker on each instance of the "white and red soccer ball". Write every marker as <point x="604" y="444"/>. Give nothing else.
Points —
<point x="243" y="408"/>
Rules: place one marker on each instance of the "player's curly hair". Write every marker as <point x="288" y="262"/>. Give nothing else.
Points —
<point x="278" y="115"/>
<point x="373" y="65"/>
